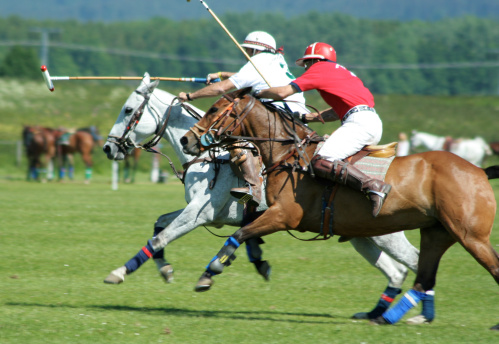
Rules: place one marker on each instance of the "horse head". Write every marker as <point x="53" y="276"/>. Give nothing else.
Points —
<point x="239" y="116"/>
<point x="223" y="120"/>
<point x="132" y="126"/>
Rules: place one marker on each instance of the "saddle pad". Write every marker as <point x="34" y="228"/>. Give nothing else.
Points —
<point x="374" y="167"/>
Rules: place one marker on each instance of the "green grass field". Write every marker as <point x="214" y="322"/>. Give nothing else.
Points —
<point x="59" y="241"/>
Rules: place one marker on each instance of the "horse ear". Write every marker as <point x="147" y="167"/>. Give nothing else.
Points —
<point x="146" y="86"/>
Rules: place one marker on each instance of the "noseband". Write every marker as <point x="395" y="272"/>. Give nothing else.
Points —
<point x="124" y="142"/>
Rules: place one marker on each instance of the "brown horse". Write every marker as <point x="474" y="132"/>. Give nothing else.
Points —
<point x="40" y="145"/>
<point x="82" y="141"/>
<point x="445" y="196"/>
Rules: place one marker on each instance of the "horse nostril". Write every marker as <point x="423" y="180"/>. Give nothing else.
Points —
<point x="183" y="140"/>
<point x="106" y="149"/>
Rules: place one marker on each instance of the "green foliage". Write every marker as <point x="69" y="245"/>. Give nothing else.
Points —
<point x="445" y="57"/>
<point x="21" y="63"/>
<point x="59" y="241"/>
<point x="124" y="10"/>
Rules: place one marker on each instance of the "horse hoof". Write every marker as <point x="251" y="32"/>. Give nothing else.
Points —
<point x="361" y="316"/>
<point x="167" y="273"/>
<point x="378" y="321"/>
<point x="495" y="328"/>
<point x="204" y="284"/>
<point x="264" y="269"/>
<point x="418" y="320"/>
<point x="116" y="276"/>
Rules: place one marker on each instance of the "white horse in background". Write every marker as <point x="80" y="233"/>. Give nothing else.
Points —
<point x="473" y="150"/>
<point x="215" y="206"/>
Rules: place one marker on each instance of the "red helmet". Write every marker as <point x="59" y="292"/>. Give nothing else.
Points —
<point x="317" y="50"/>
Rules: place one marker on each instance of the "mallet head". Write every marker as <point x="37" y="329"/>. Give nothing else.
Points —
<point x="46" y="77"/>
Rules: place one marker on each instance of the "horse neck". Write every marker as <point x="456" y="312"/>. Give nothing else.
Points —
<point x="179" y="122"/>
<point x="272" y="152"/>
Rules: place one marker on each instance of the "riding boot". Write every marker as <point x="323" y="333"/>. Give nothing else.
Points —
<point x="252" y="192"/>
<point x="346" y="174"/>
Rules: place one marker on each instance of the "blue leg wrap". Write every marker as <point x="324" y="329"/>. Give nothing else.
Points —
<point x="62" y="173"/>
<point x="140" y="258"/>
<point x="408" y="301"/>
<point x="384" y="302"/>
<point x="223" y="258"/>
<point x="429" y="305"/>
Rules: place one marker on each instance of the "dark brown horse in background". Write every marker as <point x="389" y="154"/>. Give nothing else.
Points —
<point x="448" y="198"/>
<point x="40" y="145"/>
<point x="131" y="163"/>
<point x="82" y="141"/>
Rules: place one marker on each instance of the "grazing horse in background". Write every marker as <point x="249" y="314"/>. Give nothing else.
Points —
<point x="39" y="143"/>
<point x="448" y="198"/>
<point x="473" y="150"/>
<point x="207" y="181"/>
<point x="131" y="163"/>
<point x="82" y="141"/>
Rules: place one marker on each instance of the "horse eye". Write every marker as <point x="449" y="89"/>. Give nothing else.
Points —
<point x="212" y="109"/>
<point x="128" y="110"/>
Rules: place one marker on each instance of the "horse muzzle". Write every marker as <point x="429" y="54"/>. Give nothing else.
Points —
<point x="190" y="145"/>
<point x="113" y="152"/>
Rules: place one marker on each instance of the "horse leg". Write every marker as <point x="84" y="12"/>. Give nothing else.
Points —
<point x="270" y="222"/>
<point x="393" y="271"/>
<point x="253" y="249"/>
<point x="434" y="242"/>
<point x="165" y="269"/>
<point x="87" y="159"/>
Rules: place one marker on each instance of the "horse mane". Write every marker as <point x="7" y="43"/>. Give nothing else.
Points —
<point x="286" y="116"/>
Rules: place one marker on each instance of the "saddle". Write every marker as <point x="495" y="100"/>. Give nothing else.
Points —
<point x="376" y="151"/>
<point x="371" y="151"/>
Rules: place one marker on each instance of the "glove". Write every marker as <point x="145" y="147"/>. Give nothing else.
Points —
<point x="300" y="116"/>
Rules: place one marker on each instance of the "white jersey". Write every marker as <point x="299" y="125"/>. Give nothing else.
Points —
<point x="275" y="69"/>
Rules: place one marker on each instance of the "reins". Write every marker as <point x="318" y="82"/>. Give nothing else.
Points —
<point x="124" y="144"/>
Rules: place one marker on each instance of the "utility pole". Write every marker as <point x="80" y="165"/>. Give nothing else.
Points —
<point x="44" y="47"/>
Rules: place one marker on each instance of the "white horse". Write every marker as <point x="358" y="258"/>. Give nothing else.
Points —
<point x="149" y="108"/>
<point x="474" y="150"/>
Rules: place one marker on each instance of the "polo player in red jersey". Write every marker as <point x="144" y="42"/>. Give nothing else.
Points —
<point x="353" y="104"/>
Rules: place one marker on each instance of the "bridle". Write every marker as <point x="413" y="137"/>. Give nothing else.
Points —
<point x="220" y="130"/>
<point x="125" y="143"/>
<point x="210" y="136"/>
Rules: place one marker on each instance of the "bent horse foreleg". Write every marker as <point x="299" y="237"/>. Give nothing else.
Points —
<point x="267" y="223"/>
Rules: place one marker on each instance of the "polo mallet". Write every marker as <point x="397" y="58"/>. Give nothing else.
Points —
<point x="48" y="79"/>
<point x="233" y="39"/>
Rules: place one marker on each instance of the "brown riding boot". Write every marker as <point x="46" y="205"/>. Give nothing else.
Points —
<point x="347" y="174"/>
<point x="251" y="173"/>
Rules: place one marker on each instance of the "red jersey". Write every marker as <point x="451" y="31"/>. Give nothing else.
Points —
<point x="340" y="88"/>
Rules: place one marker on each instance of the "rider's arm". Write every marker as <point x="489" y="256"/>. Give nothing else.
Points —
<point x="277" y="93"/>
<point x="218" y="75"/>
<point x="212" y="90"/>
<point x="328" y="115"/>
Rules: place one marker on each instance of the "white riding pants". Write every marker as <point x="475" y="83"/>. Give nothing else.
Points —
<point x="360" y="129"/>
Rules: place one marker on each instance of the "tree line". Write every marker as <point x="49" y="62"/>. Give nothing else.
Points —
<point x="445" y="57"/>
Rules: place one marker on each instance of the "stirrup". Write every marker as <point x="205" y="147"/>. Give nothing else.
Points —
<point x="246" y="198"/>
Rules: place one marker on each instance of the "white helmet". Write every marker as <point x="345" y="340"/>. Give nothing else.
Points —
<point x="260" y="40"/>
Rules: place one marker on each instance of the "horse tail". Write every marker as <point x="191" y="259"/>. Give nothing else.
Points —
<point x="492" y="172"/>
